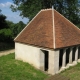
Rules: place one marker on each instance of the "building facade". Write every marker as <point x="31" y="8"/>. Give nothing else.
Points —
<point x="49" y="42"/>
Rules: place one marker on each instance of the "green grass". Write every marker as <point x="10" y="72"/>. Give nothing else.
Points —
<point x="11" y="69"/>
<point x="73" y="72"/>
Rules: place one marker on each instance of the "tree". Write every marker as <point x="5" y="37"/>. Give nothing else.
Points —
<point x="29" y="8"/>
<point x="3" y="23"/>
<point x="0" y="11"/>
<point x="17" y="28"/>
<point x="72" y="11"/>
<point x="5" y="35"/>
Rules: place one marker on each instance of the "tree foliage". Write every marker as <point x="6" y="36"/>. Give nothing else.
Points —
<point x="3" y="23"/>
<point x="8" y="29"/>
<point x="5" y="35"/>
<point x="17" y="28"/>
<point x="29" y="8"/>
<point x="8" y="34"/>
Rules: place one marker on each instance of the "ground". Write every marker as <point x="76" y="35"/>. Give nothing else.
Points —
<point x="12" y="69"/>
<point x="7" y="52"/>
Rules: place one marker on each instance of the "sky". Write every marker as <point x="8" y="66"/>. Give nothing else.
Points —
<point x="11" y="16"/>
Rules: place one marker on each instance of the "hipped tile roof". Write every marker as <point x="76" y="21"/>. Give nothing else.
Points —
<point x="49" y="29"/>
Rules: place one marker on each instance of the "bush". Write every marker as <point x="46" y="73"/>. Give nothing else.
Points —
<point x="5" y="35"/>
<point x="6" y="46"/>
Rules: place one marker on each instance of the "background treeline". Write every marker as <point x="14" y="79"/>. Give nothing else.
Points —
<point x="8" y="31"/>
<point x="29" y="8"/>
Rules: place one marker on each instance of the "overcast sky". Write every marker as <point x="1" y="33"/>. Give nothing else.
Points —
<point x="11" y="16"/>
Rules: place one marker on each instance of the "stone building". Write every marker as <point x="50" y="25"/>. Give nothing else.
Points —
<point x="50" y="42"/>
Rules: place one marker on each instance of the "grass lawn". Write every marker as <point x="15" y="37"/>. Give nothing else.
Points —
<point x="11" y="69"/>
<point x="73" y="72"/>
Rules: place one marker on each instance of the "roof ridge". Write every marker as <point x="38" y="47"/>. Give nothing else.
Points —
<point x="46" y="9"/>
<point x="53" y="28"/>
<point x="67" y="20"/>
<point x="28" y="24"/>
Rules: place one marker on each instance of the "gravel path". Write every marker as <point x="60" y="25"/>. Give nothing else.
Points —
<point x="7" y="52"/>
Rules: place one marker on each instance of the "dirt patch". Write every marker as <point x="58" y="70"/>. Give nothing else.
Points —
<point x="7" y="52"/>
<point x="58" y="77"/>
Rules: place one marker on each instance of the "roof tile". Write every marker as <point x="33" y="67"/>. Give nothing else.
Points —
<point x="40" y="31"/>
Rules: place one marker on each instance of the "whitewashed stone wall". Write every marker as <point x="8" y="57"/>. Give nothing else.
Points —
<point x="35" y="56"/>
<point x="28" y="54"/>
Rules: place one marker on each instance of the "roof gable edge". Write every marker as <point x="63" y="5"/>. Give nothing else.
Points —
<point x="68" y="20"/>
<point x="28" y="24"/>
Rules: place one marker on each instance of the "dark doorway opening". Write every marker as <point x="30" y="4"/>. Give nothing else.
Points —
<point x="67" y="55"/>
<point x="60" y="58"/>
<point x="73" y="55"/>
<point x="46" y="56"/>
<point x="78" y="52"/>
